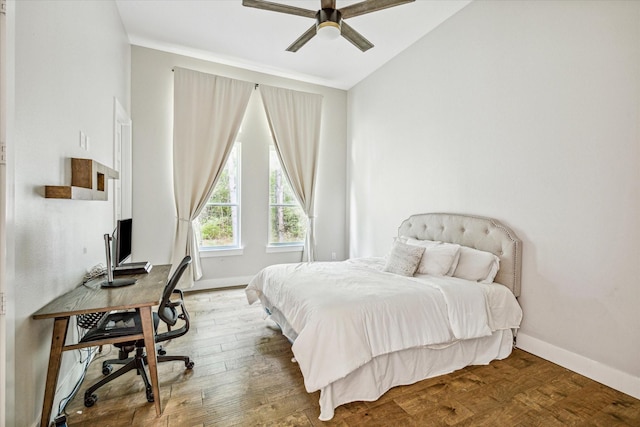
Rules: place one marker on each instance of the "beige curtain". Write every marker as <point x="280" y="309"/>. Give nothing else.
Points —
<point x="207" y="114"/>
<point x="294" y="118"/>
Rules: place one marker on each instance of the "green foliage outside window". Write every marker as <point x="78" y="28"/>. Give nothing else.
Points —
<point x="287" y="221"/>
<point x="216" y="225"/>
<point x="218" y="221"/>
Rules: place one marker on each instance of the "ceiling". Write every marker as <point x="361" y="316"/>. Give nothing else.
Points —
<point x="226" y="32"/>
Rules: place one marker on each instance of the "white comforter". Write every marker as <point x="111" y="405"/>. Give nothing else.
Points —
<point x="340" y="315"/>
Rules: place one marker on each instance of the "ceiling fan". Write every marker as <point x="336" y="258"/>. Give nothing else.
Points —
<point x="329" y="20"/>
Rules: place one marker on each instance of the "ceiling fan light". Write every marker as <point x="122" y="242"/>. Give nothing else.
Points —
<point x="328" y="30"/>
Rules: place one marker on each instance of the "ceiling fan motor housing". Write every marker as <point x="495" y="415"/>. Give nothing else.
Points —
<point x="328" y="18"/>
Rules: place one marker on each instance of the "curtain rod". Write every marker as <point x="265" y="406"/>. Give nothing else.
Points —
<point x="256" y="85"/>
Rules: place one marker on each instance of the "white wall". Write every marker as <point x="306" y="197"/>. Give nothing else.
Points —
<point x="527" y="112"/>
<point x="153" y="202"/>
<point x="71" y="60"/>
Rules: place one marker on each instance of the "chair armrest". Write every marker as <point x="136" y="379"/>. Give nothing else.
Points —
<point x="175" y="333"/>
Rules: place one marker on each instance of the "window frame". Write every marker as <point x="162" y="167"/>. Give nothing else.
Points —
<point x="282" y="246"/>
<point x="236" y="248"/>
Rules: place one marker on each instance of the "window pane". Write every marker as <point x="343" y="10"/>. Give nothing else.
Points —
<point x="287" y="225"/>
<point x="280" y="191"/>
<point x="287" y="221"/>
<point x="219" y="221"/>
<point x="222" y="192"/>
<point x="219" y="226"/>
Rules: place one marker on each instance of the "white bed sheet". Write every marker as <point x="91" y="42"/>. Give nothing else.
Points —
<point x="347" y="315"/>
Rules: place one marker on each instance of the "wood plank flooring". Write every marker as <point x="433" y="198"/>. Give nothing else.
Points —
<point x="244" y="377"/>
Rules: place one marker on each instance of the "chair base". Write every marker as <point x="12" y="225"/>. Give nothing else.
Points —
<point x="137" y="363"/>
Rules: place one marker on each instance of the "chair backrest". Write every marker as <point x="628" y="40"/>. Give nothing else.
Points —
<point x="167" y="311"/>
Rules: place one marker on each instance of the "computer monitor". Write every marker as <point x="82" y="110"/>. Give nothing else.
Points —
<point x="122" y="241"/>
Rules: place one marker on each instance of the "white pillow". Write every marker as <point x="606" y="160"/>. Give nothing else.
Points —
<point x="416" y="242"/>
<point x="438" y="258"/>
<point x="479" y="266"/>
<point x="403" y="259"/>
<point x="454" y="264"/>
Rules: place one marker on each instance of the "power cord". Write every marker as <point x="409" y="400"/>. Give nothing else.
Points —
<point x="63" y="403"/>
<point x="60" y="421"/>
<point x="95" y="271"/>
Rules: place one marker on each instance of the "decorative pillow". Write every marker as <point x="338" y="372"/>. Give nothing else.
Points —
<point x="403" y="259"/>
<point x="438" y="257"/>
<point x="479" y="266"/>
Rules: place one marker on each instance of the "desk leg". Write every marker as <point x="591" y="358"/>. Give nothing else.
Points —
<point x="150" y="345"/>
<point x="55" y="357"/>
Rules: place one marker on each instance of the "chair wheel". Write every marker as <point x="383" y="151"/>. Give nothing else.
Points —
<point x="162" y="351"/>
<point x="189" y="364"/>
<point x="89" y="401"/>
<point x="149" y="396"/>
<point x="107" y="369"/>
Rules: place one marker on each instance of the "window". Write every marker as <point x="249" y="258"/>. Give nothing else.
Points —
<point x="287" y="221"/>
<point x="219" y="221"/>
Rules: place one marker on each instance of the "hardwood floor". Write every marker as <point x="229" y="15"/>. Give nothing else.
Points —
<point x="244" y="377"/>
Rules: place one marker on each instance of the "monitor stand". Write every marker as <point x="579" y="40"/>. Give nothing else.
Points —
<point x="110" y="282"/>
<point x="116" y="283"/>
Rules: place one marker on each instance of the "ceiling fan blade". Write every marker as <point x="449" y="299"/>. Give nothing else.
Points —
<point x="303" y="39"/>
<point x="369" y="6"/>
<point x="277" y="7"/>
<point x="355" y="37"/>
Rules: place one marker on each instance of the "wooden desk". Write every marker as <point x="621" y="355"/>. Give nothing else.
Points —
<point x="91" y="298"/>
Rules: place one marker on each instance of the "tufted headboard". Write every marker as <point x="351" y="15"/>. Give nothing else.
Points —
<point x="485" y="234"/>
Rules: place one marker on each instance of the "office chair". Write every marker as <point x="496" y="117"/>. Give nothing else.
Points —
<point x="129" y="323"/>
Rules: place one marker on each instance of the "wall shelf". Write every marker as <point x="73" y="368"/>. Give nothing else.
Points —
<point x="89" y="181"/>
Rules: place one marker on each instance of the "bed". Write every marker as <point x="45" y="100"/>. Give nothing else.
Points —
<point x="443" y="298"/>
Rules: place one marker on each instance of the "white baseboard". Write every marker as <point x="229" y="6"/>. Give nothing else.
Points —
<point x="603" y="374"/>
<point x="227" y="282"/>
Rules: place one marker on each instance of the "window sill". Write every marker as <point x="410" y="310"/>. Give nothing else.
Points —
<point x="212" y="253"/>
<point x="272" y="249"/>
